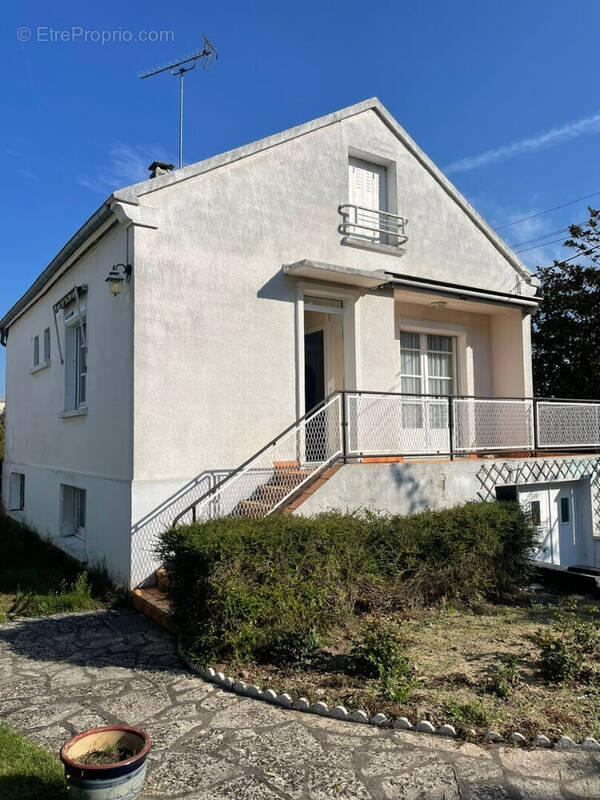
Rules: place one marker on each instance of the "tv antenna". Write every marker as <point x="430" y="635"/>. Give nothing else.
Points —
<point x="208" y="54"/>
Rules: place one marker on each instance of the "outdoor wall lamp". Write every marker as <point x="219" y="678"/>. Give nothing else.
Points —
<point x="438" y="304"/>
<point x="115" y="278"/>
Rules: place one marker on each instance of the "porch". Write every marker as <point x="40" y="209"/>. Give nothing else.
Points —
<point x="357" y="426"/>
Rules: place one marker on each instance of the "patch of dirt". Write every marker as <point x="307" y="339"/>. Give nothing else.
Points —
<point x="454" y="652"/>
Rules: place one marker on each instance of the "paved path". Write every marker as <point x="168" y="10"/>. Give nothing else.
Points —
<point x="60" y="675"/>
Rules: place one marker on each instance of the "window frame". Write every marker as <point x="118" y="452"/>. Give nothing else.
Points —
<point x="81" y="363"/>
<point x="75" y="497"/>
<point x="36" y="350"/>
<point x="76" y="370"/>
<point x="424" y="352"/>
<point x="47" y="345"/>
<point x="21" y="491"/>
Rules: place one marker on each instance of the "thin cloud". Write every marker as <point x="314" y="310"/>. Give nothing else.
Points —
<point x="125" y="165"/>
<point x="554" y="136"/>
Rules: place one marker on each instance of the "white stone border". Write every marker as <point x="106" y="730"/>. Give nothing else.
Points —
<point x="285" y="700"/>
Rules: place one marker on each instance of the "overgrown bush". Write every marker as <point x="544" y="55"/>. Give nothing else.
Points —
<point x="240" y="586"/>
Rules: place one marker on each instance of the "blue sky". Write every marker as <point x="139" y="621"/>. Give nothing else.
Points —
<point x="502" y="93"/>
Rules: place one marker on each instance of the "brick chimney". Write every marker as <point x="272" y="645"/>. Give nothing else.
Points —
<point x="160" y="168"/>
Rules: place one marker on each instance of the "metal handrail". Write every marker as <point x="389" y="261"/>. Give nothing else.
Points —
<point x="254" y="456"/>
<point x="408" y="395"/>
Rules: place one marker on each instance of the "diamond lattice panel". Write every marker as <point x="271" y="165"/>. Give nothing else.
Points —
<point x="542" y="471"/>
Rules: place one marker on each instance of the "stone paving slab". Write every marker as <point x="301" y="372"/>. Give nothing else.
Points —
<point x="63" y="674"/>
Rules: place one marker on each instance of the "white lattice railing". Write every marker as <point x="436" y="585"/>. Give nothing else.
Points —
<point x="392" y="424"/>
<point x="360" y="424"/>
<point x="493" y="425"/>
<point x="268" y="479"/>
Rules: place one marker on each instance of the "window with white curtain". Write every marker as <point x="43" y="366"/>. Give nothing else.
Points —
<point x="426" y="367"/>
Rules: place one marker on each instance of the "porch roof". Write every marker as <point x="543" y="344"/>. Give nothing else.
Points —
<point x="379" y="279"/>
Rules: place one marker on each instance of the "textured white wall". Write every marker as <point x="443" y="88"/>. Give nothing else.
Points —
<point x="214" y="316"/>
<point x="94" y="451"/>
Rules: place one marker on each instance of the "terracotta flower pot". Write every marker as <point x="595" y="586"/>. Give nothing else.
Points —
<point x="121" y="780"/>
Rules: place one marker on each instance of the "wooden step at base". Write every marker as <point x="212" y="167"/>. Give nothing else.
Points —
<point x="161" y="579"/>
<point x="153" y="604"/>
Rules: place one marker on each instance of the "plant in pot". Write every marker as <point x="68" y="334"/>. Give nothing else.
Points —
<point x="104" y="763"/>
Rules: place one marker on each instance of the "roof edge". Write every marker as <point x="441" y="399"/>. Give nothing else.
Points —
<point x="98" y="218"/>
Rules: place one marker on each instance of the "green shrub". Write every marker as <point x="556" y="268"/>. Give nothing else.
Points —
<point x="503" y="678"/>
<point x="239" y="587"/>
<point x="472" y="713"/>
<point x="565" y="649"/>
<point x="297" y="645"/>
<point x="376" y="652"/>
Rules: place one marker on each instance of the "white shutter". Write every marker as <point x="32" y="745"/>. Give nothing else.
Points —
<point x="367" y="184"/>
<point x="367" y="189"/>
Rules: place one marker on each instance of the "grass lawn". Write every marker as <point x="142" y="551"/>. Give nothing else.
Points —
<point x="38" y="579"/>
<point x="27" y="772"/>
<point x="454" y="654"/>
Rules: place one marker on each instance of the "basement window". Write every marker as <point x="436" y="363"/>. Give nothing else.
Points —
<point x="73" y="501"/>
<point x="16" y="491"/>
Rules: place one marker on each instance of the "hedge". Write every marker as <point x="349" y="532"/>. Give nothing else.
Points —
<point x="237" y="586"/>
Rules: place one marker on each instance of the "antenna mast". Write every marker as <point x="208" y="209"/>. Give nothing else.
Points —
<point x="208" y="53"/>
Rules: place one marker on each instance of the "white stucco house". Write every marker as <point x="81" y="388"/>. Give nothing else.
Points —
<point x="330" y="269"/>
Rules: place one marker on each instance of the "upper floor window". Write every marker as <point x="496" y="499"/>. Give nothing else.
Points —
<point x="367" y="220"/>
<point x="367" y="185"/>
<point x="47" y="345"/>
<point x="36" y="351"/>
<point x="75" y="361"/>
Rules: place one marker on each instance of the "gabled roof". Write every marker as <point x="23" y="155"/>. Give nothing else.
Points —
<point x="131" y="194"/>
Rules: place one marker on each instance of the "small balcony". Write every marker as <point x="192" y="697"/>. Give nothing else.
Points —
<point x="368" y="227"/>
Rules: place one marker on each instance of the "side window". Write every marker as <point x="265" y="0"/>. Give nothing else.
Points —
<point x="47" y="346"/>
<point x="75" y="363"/>
<point x="565" y="510"/>
<point x="16" y="491"/>
<point x="36" y="351"/>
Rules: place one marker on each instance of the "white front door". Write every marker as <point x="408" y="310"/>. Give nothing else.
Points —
<point x="553" y="508"/>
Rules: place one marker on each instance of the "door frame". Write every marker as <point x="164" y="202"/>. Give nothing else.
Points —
<point x="349" y="298"/>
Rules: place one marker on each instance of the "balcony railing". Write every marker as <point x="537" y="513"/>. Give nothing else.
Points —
<point x="352" y="425"/>
<point x="388" y="424"/>
<point x="369" y="225"/>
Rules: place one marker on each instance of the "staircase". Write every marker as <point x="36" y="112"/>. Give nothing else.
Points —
<point x="287" y="476"/>
<point x="274" y="476"/>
